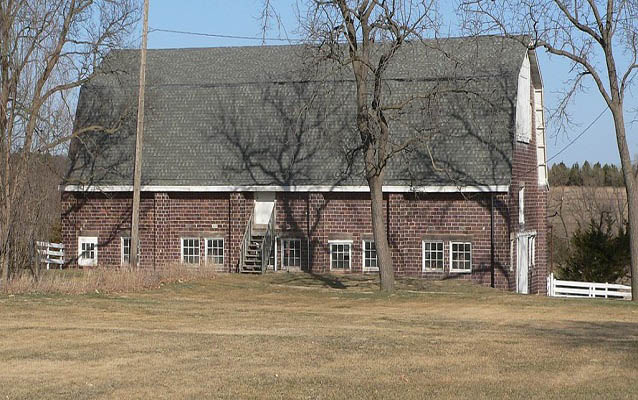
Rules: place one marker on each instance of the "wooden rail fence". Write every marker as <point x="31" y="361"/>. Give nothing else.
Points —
<point x="559" y="288"/>
<point x="51" y="253"/>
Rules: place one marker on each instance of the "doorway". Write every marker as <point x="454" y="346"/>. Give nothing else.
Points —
<point x="526" y="243"/>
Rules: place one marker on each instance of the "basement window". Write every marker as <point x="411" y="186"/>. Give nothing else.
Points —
<point x="190" y="250"/>
<point x="340" y="255"/>
<point x="370" y="256"/>
<point x="87" y="251"/>
<point x="215" y="251"/>
<point x="432" y="256"/>
<point x="461" y="257"/>
<point x="125" y="253"/>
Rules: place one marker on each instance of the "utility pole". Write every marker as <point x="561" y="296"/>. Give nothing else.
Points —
<point x="139" y="140"/>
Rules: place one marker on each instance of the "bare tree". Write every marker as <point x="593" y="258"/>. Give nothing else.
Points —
<point x="346" y="31"/>
<point x="48" y="48"/>
<point x="589" y="34"/>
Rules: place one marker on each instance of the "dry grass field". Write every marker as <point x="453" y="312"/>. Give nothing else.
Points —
<point x="316" y="337"/>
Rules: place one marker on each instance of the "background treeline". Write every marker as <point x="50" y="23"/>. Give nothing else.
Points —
<point x="586" y="175"/>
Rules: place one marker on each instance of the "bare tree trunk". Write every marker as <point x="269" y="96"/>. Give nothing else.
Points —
<point x="5" y="267"/>
<point x="4" y="236"/>
<point x="633" y="241"/>
<point x="632" y="193"/>
<point x="384" y="256"/>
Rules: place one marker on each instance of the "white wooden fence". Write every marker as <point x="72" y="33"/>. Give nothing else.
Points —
<point x="558" y="288"/>
<point x="51" y="253"/>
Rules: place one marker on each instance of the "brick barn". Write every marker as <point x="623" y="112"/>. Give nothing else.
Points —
<point x="250" y="161"/>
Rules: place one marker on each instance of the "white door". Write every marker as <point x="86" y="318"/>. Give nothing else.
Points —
<point x="522" y="264"/>
<point x="264" y="203"/>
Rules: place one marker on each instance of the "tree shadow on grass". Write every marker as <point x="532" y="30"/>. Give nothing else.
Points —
<point x="616" y="336"/>
<point x="311" y="279"/>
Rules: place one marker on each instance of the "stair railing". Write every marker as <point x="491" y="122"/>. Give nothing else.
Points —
<point x="245" y="242"/>
<point x="269" y="238"/>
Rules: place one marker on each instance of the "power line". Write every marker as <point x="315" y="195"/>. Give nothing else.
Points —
<point x="579" y="135"/>
<point x="217" y="35"/>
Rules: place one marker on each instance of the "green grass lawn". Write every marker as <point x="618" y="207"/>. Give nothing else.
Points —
<point x="316" y="337"/>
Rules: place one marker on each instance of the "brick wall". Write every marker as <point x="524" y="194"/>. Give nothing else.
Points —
<point x="315" y="218"/>
<point x="106" y="216"/>
<point x="166" y="218"/>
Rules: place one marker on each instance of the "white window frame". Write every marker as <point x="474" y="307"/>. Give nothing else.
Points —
<point x="428" y="269"/>
<point x="84" y="262"/>
<point x="199" y="255"/>
<point x="532" y="251"/>
<point x="457" y="270"/>
<point x="512" y="241"/>
<point x="341" y="242"/>
<point x="208" y="257"/>
<point x="282" y="252"/>
<point x="363" y="256"/>
<point x="521" y="205"/>
<point x="122" y="261"/>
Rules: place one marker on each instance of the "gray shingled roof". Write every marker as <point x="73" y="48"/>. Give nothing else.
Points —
<point x="271" y="116"/>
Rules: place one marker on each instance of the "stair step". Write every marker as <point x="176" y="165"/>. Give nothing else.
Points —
<point x="251" y="268"/>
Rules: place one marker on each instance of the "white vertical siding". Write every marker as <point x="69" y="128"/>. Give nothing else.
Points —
<point x="523" y="106"/>
<point x="541" y="150"/>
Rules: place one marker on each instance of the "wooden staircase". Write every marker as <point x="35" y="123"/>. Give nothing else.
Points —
<point x="253" y="254"/>
<point x="256" y="246"/>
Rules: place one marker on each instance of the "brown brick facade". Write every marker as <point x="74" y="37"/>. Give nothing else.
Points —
<point x="316" y="219"/>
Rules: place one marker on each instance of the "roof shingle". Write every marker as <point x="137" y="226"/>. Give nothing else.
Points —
<point x="269" y="116"/>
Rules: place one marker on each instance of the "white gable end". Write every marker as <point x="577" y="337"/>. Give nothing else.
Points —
<point x="523" y="104"/>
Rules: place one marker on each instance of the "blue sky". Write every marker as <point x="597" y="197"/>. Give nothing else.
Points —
<point x="241" y="18"/>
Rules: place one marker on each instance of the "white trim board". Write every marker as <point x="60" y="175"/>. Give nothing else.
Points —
<point x="301" y="188"/>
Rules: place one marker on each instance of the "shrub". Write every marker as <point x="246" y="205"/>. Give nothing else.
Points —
<point x="597" y="254"/>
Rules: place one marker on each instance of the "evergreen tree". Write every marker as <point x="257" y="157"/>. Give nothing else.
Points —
<point x="596" y="254"/>
<point x="597" y="175"/>
<point x="558" y="174"/>
<point x="575" y="178"/>
<point x="607" y="175"/>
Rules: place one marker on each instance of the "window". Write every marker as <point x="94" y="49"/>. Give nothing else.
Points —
<point x="190" y="250"/>
<point x="370" y="256"/>
<point x="340" y="254"/>
<point x="433" y="255"/>
<point x="532" y="251"/>
<point x="87" y="251"/>
<point x="521" y="206"/>
<point x="290" y="253"/>
<point x="125" y="254"/>
<point x="215" y="251"/>
<point x="460" y="257"/>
